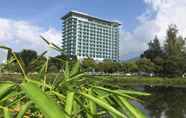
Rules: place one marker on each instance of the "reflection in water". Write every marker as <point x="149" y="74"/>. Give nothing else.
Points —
<point x="169" y="102"/>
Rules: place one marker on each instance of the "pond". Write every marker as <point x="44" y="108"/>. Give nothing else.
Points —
<point x="164" y="102"/>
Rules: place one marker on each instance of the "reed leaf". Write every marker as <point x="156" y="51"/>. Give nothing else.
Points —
<point x="45" y="104"/>
<point x="24" y="109"/>
<point x="69" y="104"/>
<point x="75" y="69"/>
<point x="104" y="105"/>
<point x="5" y="89"/>
<point x="135" y="111"/>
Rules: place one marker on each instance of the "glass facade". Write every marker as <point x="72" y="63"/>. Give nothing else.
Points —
<point x="86" y="36"/>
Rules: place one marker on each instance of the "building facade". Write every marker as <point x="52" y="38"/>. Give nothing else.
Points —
<point x="87" y="36"/>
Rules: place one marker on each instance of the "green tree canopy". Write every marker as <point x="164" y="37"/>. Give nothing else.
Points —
<point x="154" y="50"/>
<point x="88" y="64"/>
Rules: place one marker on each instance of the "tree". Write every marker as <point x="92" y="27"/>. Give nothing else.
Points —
<point x="154" y="50"/>
<point x="175" y="53"/>
<point x="131" y="67"/>
<point x="27" y="56"/>
<point x="146" y="65"/>
<point x="57" y="63"/>
<point x="108" y="66"/>
<point x="123" y="67"/>
<point x="171" y="41"/>
<point x="170" y="59"/>
<point x="88" y="64"/>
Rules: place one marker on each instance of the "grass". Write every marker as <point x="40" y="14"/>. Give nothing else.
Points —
<point x="114" y="80"/>
<point x="138" y="80"/>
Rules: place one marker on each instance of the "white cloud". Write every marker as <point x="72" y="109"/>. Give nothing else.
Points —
<point x="22" y="34"/>
<point x="154" y="21"/>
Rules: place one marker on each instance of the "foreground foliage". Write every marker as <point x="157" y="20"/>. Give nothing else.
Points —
<point x="75" y="95"/>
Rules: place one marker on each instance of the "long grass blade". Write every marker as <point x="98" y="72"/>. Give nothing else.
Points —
<point x="115" y="92"/>
<point x="46" y="105"/>
<point x="75" y="69"/>
<point x="92" y="106"/>
<point x="23" y="110"/>
<point x="69" y="104"/>
<point x="66" y="71"/>
<point x="6" y="113"/>
<point x="134" y="92"/>
<point x="5" y="89"/>
<point x="136" y="112"/>
<point x="104" y="105"/>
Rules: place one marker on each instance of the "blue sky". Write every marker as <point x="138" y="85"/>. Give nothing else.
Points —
<point x="23" y="21"/>
<point x="48" y="12"/>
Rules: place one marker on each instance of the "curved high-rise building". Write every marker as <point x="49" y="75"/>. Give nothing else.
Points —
<point x="88" y="36"/>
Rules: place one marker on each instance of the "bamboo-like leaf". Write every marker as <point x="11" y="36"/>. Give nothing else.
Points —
<point x="39" y="57"/>
<point x="9" y="61"/>
<point x="57" y="48"/>
<point x="69" y="104"/>
<point x="123" y="107"/>
<point x="66" y="71"/>
<point x="92" y="106"/>
<point x="5" y="89"/>
<point x="77" y="77"/>
<point x="75" y="69"/>
<point x="24" y="109"/>
<point x="52" y="45"/>
<point x="136" y="112"/>
<point x="6" y="113"/>
<point x="76" y="110"/>
<point x="45" y="74"/>
<point x="45" y="40"/>
<point x="5" y="47"/>
<point x="20" y="63"/>
<point x="46" y="105"/>
<point x="116" y="93"/>
<point x="104" y="105"/>
<point x="107" y="101"/>
<point x="134" y="92"/>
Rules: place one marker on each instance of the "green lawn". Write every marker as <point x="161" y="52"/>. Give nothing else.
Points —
<point x="114" y="80"/>
<point x="138" y="80"/>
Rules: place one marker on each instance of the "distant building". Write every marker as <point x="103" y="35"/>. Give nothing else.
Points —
<point x="88" y="36"/>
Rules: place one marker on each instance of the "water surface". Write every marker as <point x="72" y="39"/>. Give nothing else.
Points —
<point x="165" y="102"/>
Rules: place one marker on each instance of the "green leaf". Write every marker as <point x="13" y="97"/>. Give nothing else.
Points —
<point x="104" y="105"/>
<point x="134" y="92"/>
<point x="23" y="110"/>
<point x="75" y="69"/>
<point x="69" y="104"/>
<point x="66" y="71"/>
<point x="52" y="45"/>
<point x="43" y="38"/>
<point x="115" y="92"/>
<point x="46" y="105"/>
<point x="76" y="110"/>
<point x="4" y="47"/>
<point x="6" y="113"/>
<point x="92" y="105"/>
<point x="136" y="112"/>
<point x="75" y="78"/>
<point x="123" y="107"/>
<point x="5" y="89"/>
<point x="107" y="100"/>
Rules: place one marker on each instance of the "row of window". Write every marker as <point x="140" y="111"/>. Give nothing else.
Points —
<point x="97" y="56"/>
<point x="94" y="24"/>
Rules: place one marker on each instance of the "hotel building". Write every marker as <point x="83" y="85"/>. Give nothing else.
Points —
<point x="88" y="36"/>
